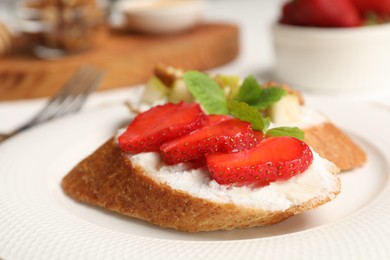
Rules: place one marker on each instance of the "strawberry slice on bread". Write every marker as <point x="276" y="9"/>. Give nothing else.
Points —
<point x="150" y="129"/>
<point x="231" y="135"/>
<point x="273" y="159"/>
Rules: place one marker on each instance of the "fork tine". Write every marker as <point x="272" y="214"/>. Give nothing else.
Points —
<point x="68" y="100"/>
<point x="92" y="86"/>
<point x="57" y="99"/>
<point x="77" y="84"/>
<point x="83" y="89"/>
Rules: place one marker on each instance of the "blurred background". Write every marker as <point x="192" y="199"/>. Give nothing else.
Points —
<point x="212" y="35"/>
<point x="44" y="42"/>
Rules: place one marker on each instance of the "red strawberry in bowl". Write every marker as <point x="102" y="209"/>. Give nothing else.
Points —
<point x="321" y="13"/>
<point x="228" y="135"/>
<point x="273" y="159"/>
<point x="159" y="124"/>
<point x="380" y="8"/>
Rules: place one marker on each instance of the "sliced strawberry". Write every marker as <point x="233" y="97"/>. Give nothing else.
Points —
<point x="213" y="119"/>
<point x="273" y="159"/>
<point x="229" y="135"/>
<point x="321" y="13"/>
<point x="159" y="124"/>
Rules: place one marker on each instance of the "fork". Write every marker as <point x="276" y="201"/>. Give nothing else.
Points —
<point x="68" y="100"/>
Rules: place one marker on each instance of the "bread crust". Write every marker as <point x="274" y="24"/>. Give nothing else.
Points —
<point x="326" y="139"/>
<point x="333" y="144"/>
<point x="107" y="179"/>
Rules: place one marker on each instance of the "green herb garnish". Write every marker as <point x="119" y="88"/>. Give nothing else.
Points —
<point x="244" y="112"/>
<point x="256" y="96"/>
<point x="246" y="106"/>
<point x="249" y="92"/>
<point x="269" y="96"/>
<point x="249" y="114"/>
<point x="206" y="92"/>
<point x="287" y="131"/>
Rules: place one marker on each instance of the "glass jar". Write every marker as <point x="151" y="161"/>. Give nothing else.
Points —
<point x="56" y="28"/>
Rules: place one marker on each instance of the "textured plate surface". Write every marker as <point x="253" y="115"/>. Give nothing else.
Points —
<point x="37" y="221"/>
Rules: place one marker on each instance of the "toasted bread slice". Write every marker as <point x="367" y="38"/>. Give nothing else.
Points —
<point x="332" y="143"/>
<point x="111" y="179"/>
<point x="326" y="138"/>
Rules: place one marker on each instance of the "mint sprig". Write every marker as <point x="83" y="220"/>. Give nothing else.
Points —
<point x="246" y="105"/>
<point x="249" y="92"/>
<point x="249" y="114"/>
<point x="207" y="92"/>
<point x="254" y="95"/>
<point x="287" y="131"/>
<point x="268" y="97"/>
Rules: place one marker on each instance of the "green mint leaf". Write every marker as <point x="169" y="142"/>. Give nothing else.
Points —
<point x="269" y="96"/>
<point x="250" y="91"/>
<point x="287" y="131"/>
<point x="266" y="123"/>
<point x="244" y="112"/>
<point x="206" y="92"/>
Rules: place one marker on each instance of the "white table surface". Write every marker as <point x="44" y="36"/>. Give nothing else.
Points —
<point x="256" y="57"/>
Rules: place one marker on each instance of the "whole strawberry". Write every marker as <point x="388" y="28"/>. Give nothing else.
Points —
<point x="321" y="13"/>
<point x="379" y="8"/>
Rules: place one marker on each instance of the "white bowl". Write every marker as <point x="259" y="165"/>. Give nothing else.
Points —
<point x="162" y="16"/>
<point x="332" y="60"/>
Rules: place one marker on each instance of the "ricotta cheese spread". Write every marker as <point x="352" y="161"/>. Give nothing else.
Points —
<point x="315" y="183"/>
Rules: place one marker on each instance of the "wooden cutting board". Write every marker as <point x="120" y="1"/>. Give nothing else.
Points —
<point x="128" y="59"/>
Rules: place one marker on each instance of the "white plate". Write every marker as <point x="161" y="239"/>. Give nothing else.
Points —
<point x="37" y="221"/>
